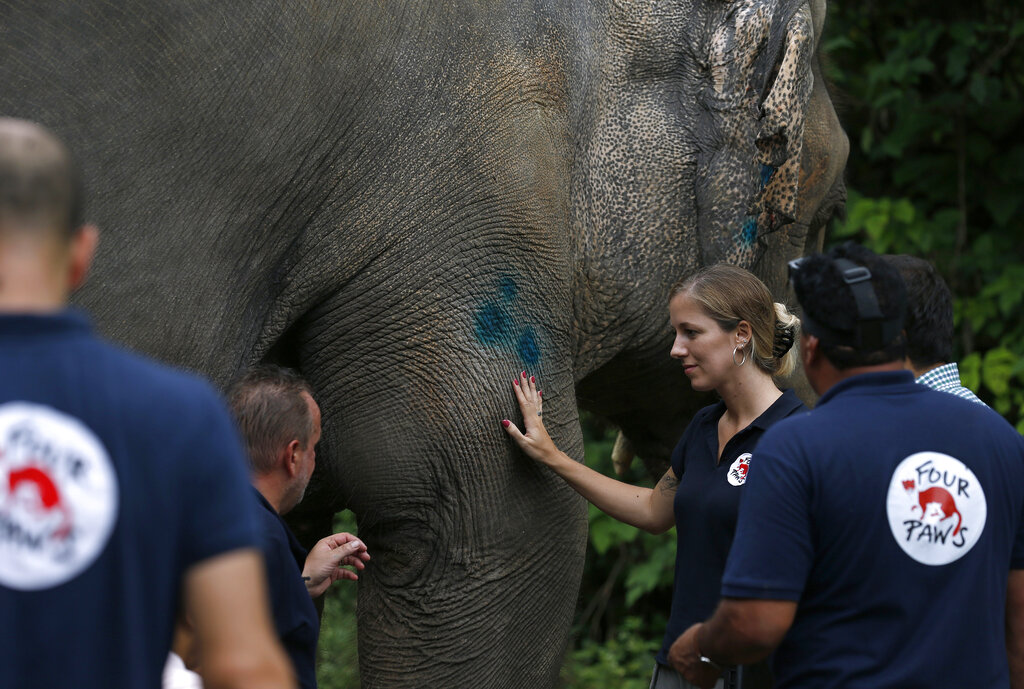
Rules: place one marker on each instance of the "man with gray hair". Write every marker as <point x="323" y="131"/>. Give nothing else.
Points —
<point x="280" y="422"/>
<point x="110" y="519"/>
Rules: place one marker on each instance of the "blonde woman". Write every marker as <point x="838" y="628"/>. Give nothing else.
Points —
<point x="730" y="337"/>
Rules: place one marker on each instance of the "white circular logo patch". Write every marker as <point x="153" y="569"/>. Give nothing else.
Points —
<point x="738" y="470"/>
<point x="58" y="496"/>
<point x="936" y="508"/>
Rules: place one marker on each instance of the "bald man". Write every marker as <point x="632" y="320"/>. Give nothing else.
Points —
<point x="123" y="488"/>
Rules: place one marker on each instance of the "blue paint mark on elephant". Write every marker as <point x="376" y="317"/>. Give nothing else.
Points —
<point x="767" y="171"/>
<point x="495" y="324"/>
<point x="748" y="235"/>
<point x="508" y="289"/>
<point x="528" y="350"/>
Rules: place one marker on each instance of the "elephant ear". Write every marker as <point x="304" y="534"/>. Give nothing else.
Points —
<point x="783" y="108"/>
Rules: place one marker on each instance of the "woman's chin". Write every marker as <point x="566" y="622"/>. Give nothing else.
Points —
<point x="700" y="386"/>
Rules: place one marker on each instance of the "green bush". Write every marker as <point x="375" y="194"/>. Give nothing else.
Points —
<point x="626" y="592"/>
<point x="337" y="655"/>
<point x="623" y="661"/>
<point x="933" y="98"/>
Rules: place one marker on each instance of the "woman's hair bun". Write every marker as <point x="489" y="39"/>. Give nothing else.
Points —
<point x="784" y="337"/>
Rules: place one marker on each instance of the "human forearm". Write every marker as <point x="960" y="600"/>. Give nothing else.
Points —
<point x="741" y="631"/>
<point x="1015" y="655"/>
<point x="639" y="507"/>
<point x="226" y="599"/>
<point x="1015" y="628"/>
<point x="269" y="670"/>
<point x="723" y="641"/>
<point x="633" y="505"/>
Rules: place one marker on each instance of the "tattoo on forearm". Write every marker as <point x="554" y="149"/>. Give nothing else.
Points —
<point x="668" y="483"/>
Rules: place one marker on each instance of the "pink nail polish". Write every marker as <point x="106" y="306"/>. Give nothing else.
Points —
<point x="540" y="393"/>
<point x="506" y="423"/>
<point x="524" y="374"/>
<point x="515" y="382"/>
<point x="532" y="379"/>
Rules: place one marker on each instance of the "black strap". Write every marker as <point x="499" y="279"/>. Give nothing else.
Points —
<point x="859" y="280"/>
<point x="872" y="331"/>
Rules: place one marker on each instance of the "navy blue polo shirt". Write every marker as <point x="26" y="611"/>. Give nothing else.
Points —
<point x="116" y="476"/>
<point x="295" y="617"/>
<point x="706" y="504"/>
<point x="892" y="514"/>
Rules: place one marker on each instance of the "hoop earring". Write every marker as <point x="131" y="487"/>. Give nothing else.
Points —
<point x="739" y="348"/>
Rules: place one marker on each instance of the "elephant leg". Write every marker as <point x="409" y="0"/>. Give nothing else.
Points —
<point x="477" y="552"/>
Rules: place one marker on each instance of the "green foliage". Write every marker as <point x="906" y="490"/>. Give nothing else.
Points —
<point x="626" y="592"/>
<point x="337" y="654"/>
<point x="655" y="572"/>
<point x="623" y="661"/>
<point x="933" y="107"/>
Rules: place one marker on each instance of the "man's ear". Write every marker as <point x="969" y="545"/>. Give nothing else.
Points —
<point x="83" y="249"/>
<point x="809" y="352"/>
<point x="291" y="458"/>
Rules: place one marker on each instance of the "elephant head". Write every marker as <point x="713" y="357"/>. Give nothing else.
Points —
<point x="708" y="135"/>
<point x="411" y="203"/>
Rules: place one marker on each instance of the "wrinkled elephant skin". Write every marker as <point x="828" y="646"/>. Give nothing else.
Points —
<point x="411" y="202"/>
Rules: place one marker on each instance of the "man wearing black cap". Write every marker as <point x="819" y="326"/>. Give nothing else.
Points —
<point x="881" y="540"/>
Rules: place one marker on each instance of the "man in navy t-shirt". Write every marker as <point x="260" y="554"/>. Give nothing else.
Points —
<point x="880" y="542"/>
<point x="280" y="423"/>
<point x="122" y="487"/>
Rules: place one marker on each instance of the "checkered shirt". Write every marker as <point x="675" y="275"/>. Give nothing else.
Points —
<point x="947" y="379"/>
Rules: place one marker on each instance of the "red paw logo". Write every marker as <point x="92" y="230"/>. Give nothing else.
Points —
<point x="58" y="496"/>
<point x="738" y="470"/>
<point x="936" y="508"/>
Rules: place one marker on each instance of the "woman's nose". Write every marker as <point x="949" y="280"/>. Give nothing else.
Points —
<point x="678" y="348"/>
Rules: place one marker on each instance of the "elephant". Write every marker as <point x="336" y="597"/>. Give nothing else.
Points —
<point x="410" y="203"/>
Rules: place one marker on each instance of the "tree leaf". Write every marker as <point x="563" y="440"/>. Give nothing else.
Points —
<point x="956" y="64"/>
<point x="903" y="211"/>
<point x="997" y="370"/>
<point x="978" y="87"/>
<point x="970" y="371"/>
<point x="606" y="532"/>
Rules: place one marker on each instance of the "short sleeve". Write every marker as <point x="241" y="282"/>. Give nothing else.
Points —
<point x="772" y="552"/>
<point x="215" y="486"/>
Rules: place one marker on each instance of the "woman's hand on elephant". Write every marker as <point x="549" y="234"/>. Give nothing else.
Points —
<point x="327" y="560"/>
<point x="533" y="439"/>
